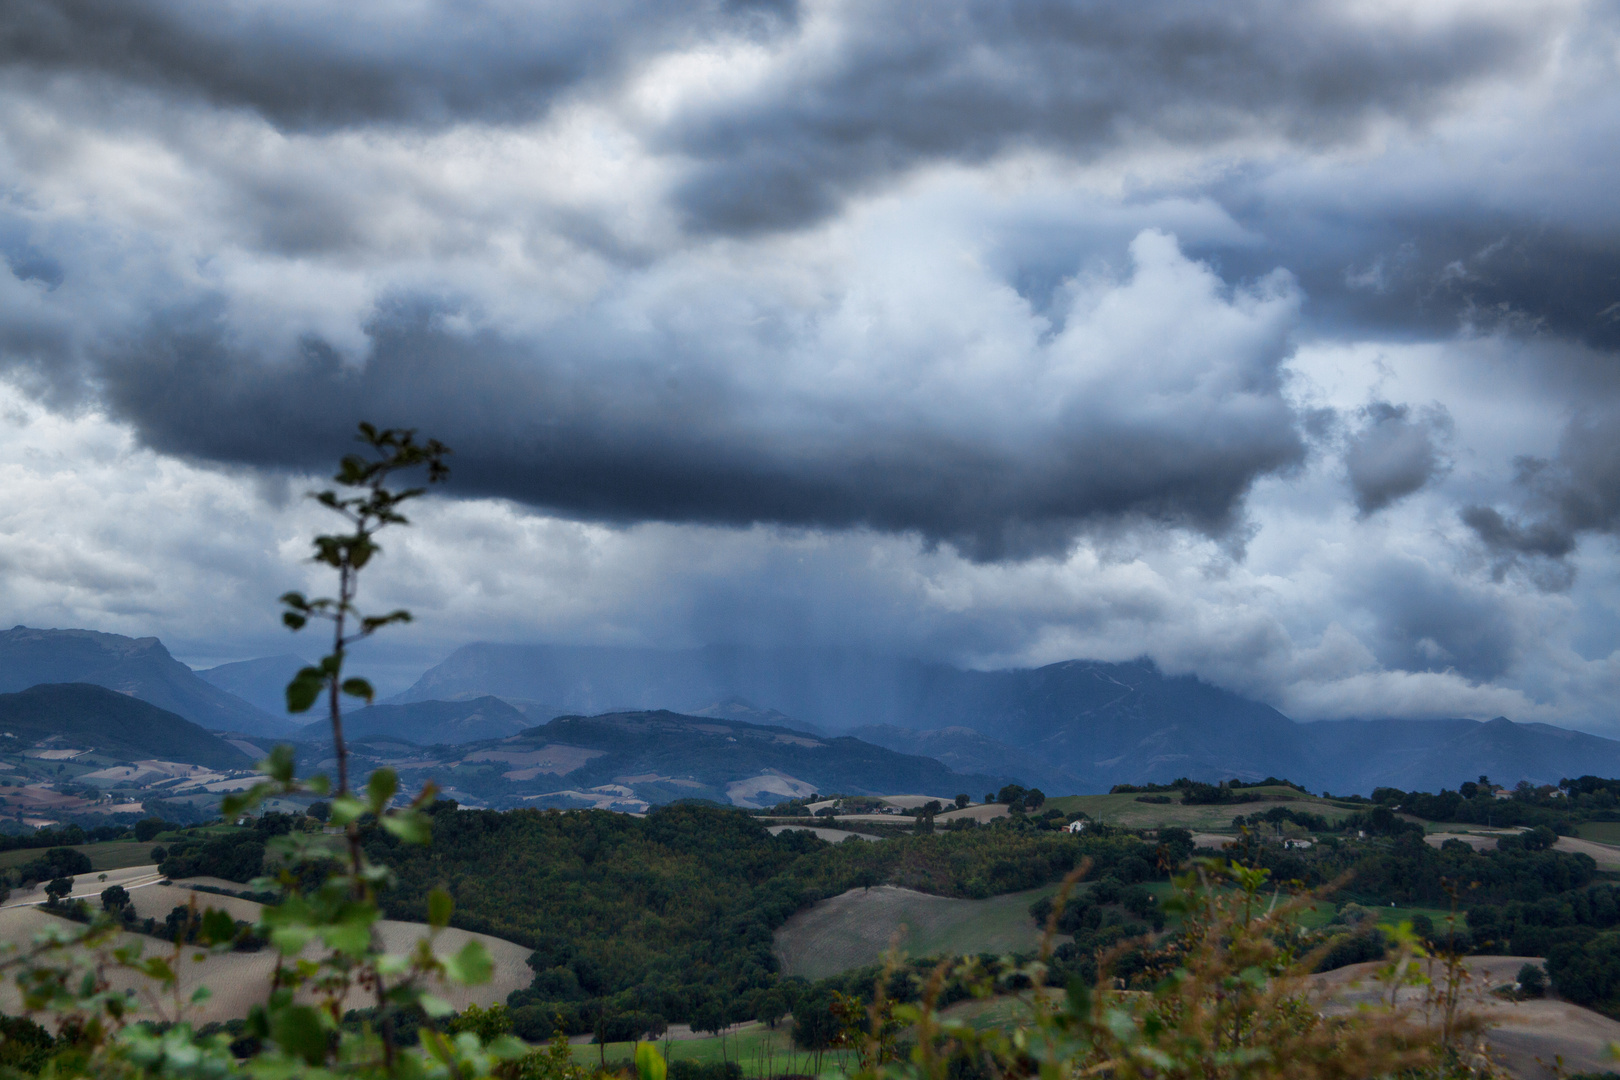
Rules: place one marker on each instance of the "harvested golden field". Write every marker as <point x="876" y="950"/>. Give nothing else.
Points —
<point x="240" y="980"/>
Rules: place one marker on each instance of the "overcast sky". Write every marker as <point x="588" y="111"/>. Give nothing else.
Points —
<point x="1273" y="339"/>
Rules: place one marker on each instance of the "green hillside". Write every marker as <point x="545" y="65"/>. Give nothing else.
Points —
<point x="856" y="928"/>
<point x="1132" y="812"/>
<point x="84" y="715"/>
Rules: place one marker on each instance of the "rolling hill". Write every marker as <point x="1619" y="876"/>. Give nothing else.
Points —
<point x="83" y="715"/>
<point x="632" y="760"/>
<point x="139" y="667"/>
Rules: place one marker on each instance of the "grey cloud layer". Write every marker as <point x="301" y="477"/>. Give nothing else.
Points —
<point x="964" y="80"/>
<point x="317" y="65"/>
<point x="1076" y="429"/>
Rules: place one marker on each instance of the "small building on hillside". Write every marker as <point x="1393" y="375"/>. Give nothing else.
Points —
<point x="1078" y="826"/>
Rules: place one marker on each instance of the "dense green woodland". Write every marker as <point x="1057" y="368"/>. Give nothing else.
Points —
<point x="672" y="915"/>
<point x="639" y="921"/>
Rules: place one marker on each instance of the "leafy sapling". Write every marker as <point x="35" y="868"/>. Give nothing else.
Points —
<point x="372" y="508"/>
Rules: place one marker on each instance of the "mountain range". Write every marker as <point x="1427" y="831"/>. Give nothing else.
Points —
<point x="139" y="667"/>
<point x="1079" y="726"/>
<point x="631" y="760"/>
<point x="1076" y="726"/>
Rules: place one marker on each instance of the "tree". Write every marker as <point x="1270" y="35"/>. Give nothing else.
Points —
<point x="114" y="898"/>
<point x="147" y="828"/>
<point x="962" y="801"/>
<point x="320" y="811"/>
<point x="708" y="1015"/>
<point x="159" y="854"/>
<point x="1034" y="798"/>
<point x="1532" y="981"/>
<point x="1011" y="794"/>
<point x="487" y="1024"/>
<point x="59" y="888"/>
<point x="771" y="1007"/>
<point x="925" y="819"/>
<point x="65" y="861"/>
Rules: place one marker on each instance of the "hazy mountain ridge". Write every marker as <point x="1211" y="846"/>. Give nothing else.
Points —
<point x="261" y="683"/>
<point x="430" y="723"/>
<point x="1077" y="725"/>
<point x="139" y="667"/>
<point x="631" y="760"/>
<point x="83" y="715"/>
<point x="719" y="752"/>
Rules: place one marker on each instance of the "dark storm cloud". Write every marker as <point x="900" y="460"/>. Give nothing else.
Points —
<point x="1430" y="274"/>
<point x="1393" y="453"/>
<point x="634" y="441"/>
<point x="1575" y="492"/>
<point x="1429" y="621"/>
<point x="320" y="65"/>
<point x="966" y="79"/>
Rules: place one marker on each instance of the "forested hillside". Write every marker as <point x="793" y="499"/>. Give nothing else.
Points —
<point x="84" y="715"/>
<point x="673" y="914"/>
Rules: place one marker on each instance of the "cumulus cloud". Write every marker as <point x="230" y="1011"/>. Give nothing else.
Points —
<point x="987" y="429"/>
<point x="1393" y="453"/>
<point x="1558" y="499"/>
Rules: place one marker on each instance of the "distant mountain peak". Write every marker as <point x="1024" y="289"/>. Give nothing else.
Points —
<point x="139" y="667"/>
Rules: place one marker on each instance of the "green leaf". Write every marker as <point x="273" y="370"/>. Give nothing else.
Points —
<point x="298" y="1030"/>
<point x="649" y="1062"/>
<point x="350" y="932"/>
<point x="280" y="764"/>
<point x="218" y="928"/>
<point x="346" y="808"/>
<point x="155" y="967"/>
<point x="382" y="786"/>
<point x="440" y="908"/>
<point x="200" y="995"/>
<point x="471" y="966"/>
<point x="238" y="801"/>
<point x="290" y="940"/>
<point x="293" y="620"/>
<point x="410" y="826"/>
<point x="436" y="1006"/>
<point x="304" y="689"/>
<point x="507" y="1048"/>
<point x="359" y="688"/>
